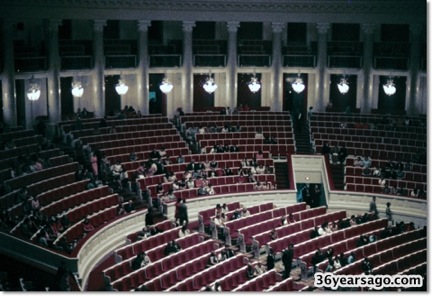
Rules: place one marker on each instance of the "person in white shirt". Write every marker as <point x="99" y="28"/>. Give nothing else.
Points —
<point x="201" y="130"/>
<point x="210" y="189"/>
<point x="260" y="169"/>
<point x="259" y="269"/>
<point x="245" y="212"/>
<point x="190" y="183"/>
<point x="218" y="221"/>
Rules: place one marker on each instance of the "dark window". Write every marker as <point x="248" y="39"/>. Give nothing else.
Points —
<point x="296" y="32"/>
<point x="345" y="32"/>
<point x="250" y="31"/>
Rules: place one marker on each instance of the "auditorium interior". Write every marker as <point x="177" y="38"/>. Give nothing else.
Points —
<point x="224" y="145"/>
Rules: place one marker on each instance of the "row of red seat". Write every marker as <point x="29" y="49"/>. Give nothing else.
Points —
<point x="274" y="149"/>
<point x="33" y="139"/>
<point x="256" y="123"/>
<point x="13" y="135"/>
<point x="357" y="117"/>
<point x="367" y="132"/>
<point x="231" y="228"/>
<point x="23" y="150"/>
<point x="80" y="212"/>
<point x="204" y="216"/>
<point x="370" y="139"/>
<point x="194" y="275"/>
<point x="122" y="129"/>
<point x="246" y="233"/>
<point x="409" y="176"/>
<point x="156" y="142"/>
<point x="241" y="135"/>
<point x="74" y="200"/>
<point x="372" y="184"/>
<point x="45" y="154"/>
<point x="242" y="141"/>
<point x="171" y="148"/>
<point x="128" y="135"/>
<point x="234" y="117"/>
<point x="287" y="284"/>
<point x="117" y="122"/>
<point x="57" y="193"/>
<point x="399" y="264"/>
<point x="155" y="253"/>
<point x="415" y="167"/>
<point x="260" y="282"/>
<point x="370" y="146"/>
<point x="138" y="277"/>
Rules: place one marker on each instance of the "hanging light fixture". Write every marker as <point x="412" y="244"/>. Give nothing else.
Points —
<point x="254" y="85"/>
<point x="34" y="92"/>
<point x="389" y="87"/>
<point x="298" y="85"/>
<point x="210" y="86"/>
<point x="121" y="88"/>
<point x="166" y="86"/>
<point x="343" y="85"/>
<point x="77" y="89"/>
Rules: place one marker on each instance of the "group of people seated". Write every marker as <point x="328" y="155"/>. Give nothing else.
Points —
<point x="337" y="155"/>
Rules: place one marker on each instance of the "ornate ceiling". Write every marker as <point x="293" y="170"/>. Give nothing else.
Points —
<point x="358" y="11"/>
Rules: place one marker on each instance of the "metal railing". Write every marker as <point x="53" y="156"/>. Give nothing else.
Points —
<point x="343" y="61"/>
<point x="76" y="62"/>
<point x="254" y="60"/>
<point x="165" y="60"/>
<point x="394" y="63"/>
<point x="30" y="64"/>
<point x="120" y="61"/>
<point x="209" y="60"/>
<point x="291" y="60"/>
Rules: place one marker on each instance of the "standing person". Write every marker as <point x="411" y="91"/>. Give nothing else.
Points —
<point x="94" y="164"/>
<point x="287" y="258"/>
<point x="183" y="213"/>
<point x="389" y="213"/>
<point x="299" y="121"/>
<point x="373" y="208"/>
<point x="270" y="259"/>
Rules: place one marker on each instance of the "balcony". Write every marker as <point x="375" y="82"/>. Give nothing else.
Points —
<point x="76" y="62"/>
<point x="254" y="60"/>
<point x="391" y="63"/>
<point x="30" y="64"/>
<point x="299" y="60"/>
<point x="165" y="60"/>
<point x="120" y="61"/>
<point x="209" y="60"/>
<point x="342" y="61"/>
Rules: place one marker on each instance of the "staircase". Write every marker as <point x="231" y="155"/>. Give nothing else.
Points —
<point x="302" y="139"/>
<point x="338" y="176"/>
<point x="281" y="172"/>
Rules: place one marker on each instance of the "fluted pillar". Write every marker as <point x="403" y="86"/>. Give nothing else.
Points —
<point x="187" y="80"/>
<point x="277" y="28"/>
<point x="54" y="104"/>
<point x="143" y="66"/>
<point x="368" y="41"/>
<point x="322" y="64"/>
<point x="8" y="75"/>
<point x="99" y="66"/>
<point x="231" y="85"/>
<point x="414" y="67"/>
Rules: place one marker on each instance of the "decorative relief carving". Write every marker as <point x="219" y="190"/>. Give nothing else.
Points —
<point x="277" y="27"/>
<point x="233" y="26"/>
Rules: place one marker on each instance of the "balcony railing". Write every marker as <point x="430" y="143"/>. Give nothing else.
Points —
<point x="254" y="60"/>
<point x="165" y="60"/>
<point x="30" y="64"/>
<point x="291" y="60"/>
<point x="393" y="63"/>
<point x="120" y="61"/>
<point x="76" y="62"/>
<point x="339" y="61"/>
<point x="209" y="60"/>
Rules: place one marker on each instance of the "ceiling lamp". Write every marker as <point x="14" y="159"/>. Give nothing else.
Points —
<point x="298" y="85"/>
<point x="34" y="92"/>
<point x="77" y="89"/>
<point x="121" y="88"/>
<point x="343" y="85"/>
<point x="254" y="85"/>
<point x="389" y="88"/>
<point x="210" y="86"/>
<point x="166" y="86"/>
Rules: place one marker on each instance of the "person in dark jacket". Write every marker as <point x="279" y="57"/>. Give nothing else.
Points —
<point x="287" y="258"/>
<point x="270" y="259"/>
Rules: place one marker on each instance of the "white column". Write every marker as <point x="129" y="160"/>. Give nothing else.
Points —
<point x="54" y="104"/>
<point x="277" y="66"/>
<point x="187" y="80"/>
<point x="368" y="41"/>
<point x="322" y="86"/>
<point x="8" y="75"/>
<point x="99" y="67"/>
<point x="231" y="98"/>
<point x="143" y="66"/>
<point x="414" y="66"/>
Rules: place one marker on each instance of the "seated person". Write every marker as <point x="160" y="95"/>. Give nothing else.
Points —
<point x="87" y="226"/>
<point x="259" y="269"/>
<point x="250" y="272"/>
<point x="213" y="259"/>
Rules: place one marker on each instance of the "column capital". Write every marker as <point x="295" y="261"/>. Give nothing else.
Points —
<point x="142" y="25"/>
<point x="323" y="28"/>
<point x="277" y="27"/>
<point x="233" y="26"/>
<point x="368" y="28"/>
<point x="416" y="29"/>
<point x="188" y="26"/>
<point x="98" y="25"/>
<point x="53" y="24"/>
